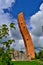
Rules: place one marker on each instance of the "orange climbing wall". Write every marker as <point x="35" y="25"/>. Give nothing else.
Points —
<point x="26" y="36"/>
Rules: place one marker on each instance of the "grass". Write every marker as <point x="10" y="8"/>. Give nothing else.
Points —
<point x="36" y="62"/>
<point x="33" y="62"/>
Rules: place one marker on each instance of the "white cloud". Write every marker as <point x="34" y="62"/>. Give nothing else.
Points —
<point x="16" y="34"/>
<point x="36" y="33"/>
<point x="36" y="21"/>
<point x="41" y="7"/>
<point x="19" y="43"/>
<point x="6" y="3"/>
<point x="5" y="18"/>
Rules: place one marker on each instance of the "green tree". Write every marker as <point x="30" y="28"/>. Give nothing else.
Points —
<point x="40" y="54"/>
<point x="5" y="56"/>
<point x="36" y="56"/>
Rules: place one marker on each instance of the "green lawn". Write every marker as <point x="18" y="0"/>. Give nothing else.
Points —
<point x="34" y="62"/>
<point x="27" y="63"/>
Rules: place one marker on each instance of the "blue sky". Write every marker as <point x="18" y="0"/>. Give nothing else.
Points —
<point x="28" y="7"/>
<point x="33" y="14"/>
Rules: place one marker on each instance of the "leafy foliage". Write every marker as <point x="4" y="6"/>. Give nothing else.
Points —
<point x="5" y="56"/>
<point x="40" y="55"/>
<point x="12" y="25"/>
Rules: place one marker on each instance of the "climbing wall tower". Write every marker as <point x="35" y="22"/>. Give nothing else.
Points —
<point x="26" y="36"/>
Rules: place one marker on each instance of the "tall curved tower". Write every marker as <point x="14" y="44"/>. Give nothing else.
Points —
<point x="26" y="36"/>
